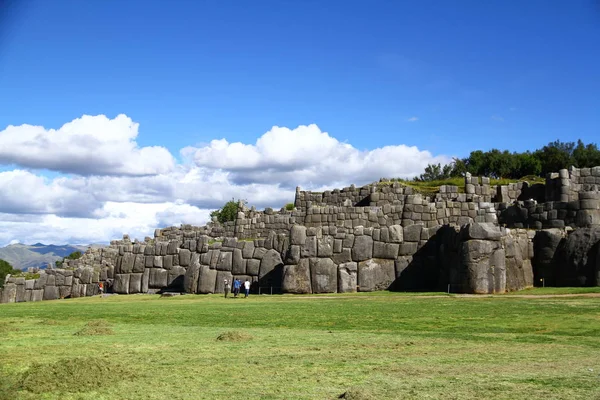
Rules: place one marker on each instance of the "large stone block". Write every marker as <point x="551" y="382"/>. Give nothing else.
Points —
<point x="184" y="257"/>
<point x="296" y="278"/>
<point x="298" y="235"/>
<point x="139" y="263"/>
<point x="252" y="267"/>
<point x="225" y="262"/>
<point x="126" y="265"/>
<point x="325" y="246"/>
<point x="375" y="274"/>
<point x="238" y="263"/>
<point x="158" y="278"/>
<point x="412" y="233"/>
<point x="190" y="279"/>
<point x="20" y="293"/>
<point x="37" y="294"/>
<point x="206" y="279"/>
<point x="385" y="250"/>
<point x="363" y="248"/>
<point x="309" y="249"/>
<point x="248" y="250"/>
<point x="323" y="275"/>
<point x="145" y="280"/>
<point x="121" y="284"/>
<point x="484" y="263"/>
<point x="9" y="293"/>
<point x="484" y="231"/>
<point x="135" y="283"/>
<point x="396" y="234"/>
<point x="347" y="277"/>
<point x="51" y="293"/>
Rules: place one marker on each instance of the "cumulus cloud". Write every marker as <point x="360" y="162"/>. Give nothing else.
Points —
<point x="88" y="145"/>
<point x="307" y="156"/>
<point x="22" y="192"/>
<point x="119" y="188"/>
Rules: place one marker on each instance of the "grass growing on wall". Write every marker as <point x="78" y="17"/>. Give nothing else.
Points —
<point x="370" y="346"/>
<point x="432" y="187"/>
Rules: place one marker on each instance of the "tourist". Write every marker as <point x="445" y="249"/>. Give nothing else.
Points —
<point x="247" y="287"/>
<point x="236" y="287"/>
<point x="101" y="288"/>
<point x="227" y="287"/>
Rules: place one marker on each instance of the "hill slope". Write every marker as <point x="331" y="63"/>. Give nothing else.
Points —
<point x="22" y="256"/>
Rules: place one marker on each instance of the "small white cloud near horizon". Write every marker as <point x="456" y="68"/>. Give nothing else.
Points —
<point x="412" y="119"/>
<point x="497" y="118"/>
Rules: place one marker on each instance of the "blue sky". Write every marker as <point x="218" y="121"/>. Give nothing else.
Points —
<point x="476" y="74"/>
<point x="446" y="77"/>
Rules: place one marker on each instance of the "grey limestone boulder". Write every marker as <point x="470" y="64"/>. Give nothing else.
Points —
<point x="579" y="261"/>
<point x="238" y="263"/>
<point x="207" y="278"/>
<point x="51" y="293"/>
<point x="484" y="231"/>
<point x="375" y="274"/>
<point x="270" y="261"/>
<point x="363" y="248"/>
<point x="396" y="234"/>
<point x="296" y="278"/>
<point x="298" y="235"/>
<point x="347" y="277"/>
<point x="135" y="283"/>
<point x="139" y="263"/>
<point x="323" y="275"/>
<point x="190" y="279"/>
<point x="184" y="257"/>
<point x="484" y="262"/>
<point x="158" y="278"/>
<point x="9" y="293"/>
<point x="225" y="262"/>
<point x="121" y="284"/>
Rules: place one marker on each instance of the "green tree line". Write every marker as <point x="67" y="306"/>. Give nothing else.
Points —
<point x="504" y="164"/>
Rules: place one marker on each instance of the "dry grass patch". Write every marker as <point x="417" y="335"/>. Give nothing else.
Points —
<point x="73" y="375"/>
<point x="234" y="336"/>
<point x="96" y="328"/>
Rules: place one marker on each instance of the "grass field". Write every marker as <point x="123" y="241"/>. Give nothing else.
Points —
<point x="368" y="346"/>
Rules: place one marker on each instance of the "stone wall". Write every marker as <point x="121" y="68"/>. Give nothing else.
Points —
<point x="378" y="236"/>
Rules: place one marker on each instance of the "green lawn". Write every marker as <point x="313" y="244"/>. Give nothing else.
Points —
<point x="369" y="346"/>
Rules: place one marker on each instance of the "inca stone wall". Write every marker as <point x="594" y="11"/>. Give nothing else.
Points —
<point x="379" y="236"/>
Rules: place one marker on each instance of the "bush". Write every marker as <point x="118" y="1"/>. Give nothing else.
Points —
<point x="227" y="213"/>
<point x="5" y="269"/>
<point x="289" y="206"/>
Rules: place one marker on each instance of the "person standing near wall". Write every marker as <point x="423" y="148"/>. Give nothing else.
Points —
<point x="247" y="287"/>
<point x="226" y="287"/>
<point x="236" y="287"/>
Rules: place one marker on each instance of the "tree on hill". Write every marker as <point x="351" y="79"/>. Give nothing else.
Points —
<point x="5" y="269"/>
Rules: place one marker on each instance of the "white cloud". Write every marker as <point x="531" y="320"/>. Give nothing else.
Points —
<point x="497" y="118"/>
<point x="111" y="200"/>
<point x="306" y="156"/>
<point x="412" y="119"/>
<point x="88" y="145"/>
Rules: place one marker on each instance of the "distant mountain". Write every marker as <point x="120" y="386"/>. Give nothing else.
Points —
<point x="22" y="256"/>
